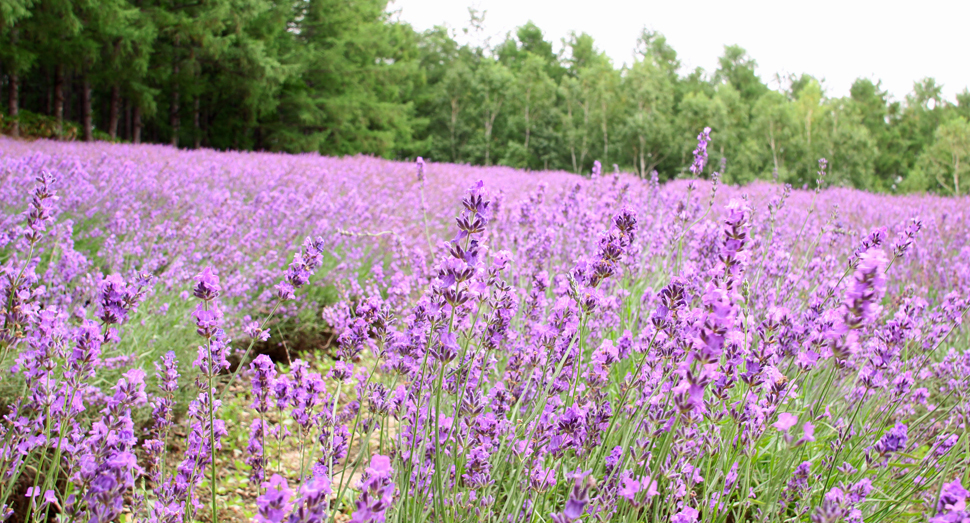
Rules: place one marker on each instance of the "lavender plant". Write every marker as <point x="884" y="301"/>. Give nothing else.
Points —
<point x="602" y="349"/>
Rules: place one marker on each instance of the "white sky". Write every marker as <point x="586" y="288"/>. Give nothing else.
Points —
<point x="835" y="40"/>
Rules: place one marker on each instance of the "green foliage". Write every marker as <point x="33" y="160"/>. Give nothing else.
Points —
<point x="947" y="160"/>
<point x="33" y="125"/>
<point x="735" y="67"/>
<point x="342" y="77"/>
<point x="357" y="76"/>
<point x="649" y="128"/>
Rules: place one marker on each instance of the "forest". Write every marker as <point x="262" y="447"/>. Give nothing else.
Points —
<point x="345" y="77"/>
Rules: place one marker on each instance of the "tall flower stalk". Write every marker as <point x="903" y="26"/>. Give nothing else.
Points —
<point x="211" y="362"/>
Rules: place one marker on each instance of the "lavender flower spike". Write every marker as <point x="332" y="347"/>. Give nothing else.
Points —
<point x="700" y="153"/>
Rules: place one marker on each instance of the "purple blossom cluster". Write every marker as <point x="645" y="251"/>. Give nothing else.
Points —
<point x="700" y="153"/>
<point x="576" y="349"/>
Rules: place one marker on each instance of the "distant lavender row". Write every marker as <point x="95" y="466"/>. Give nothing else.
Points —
<point x="578" y="349"/>
<point x="152" y="209"/>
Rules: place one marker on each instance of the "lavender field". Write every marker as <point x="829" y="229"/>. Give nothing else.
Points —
<point x="203" y="336"/>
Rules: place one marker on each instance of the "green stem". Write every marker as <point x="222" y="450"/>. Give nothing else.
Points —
<point x="212" y="419"/>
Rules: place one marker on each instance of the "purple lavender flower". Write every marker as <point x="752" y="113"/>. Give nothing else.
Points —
<point x="263" y="382"/>
<point x="311" y="506"/>
<point x="377" y="491"/>
<point x="892" y="441"/>
<point x="274" y="504"/>
<point x="822" y="166"/>
<point x="902" y="244"/>
<point x="255" y="451"/>
<point x="254" y="331"/>
<point x="735" y="238"/>
<point x="113" y="292"/>
<point x="541" y="479"/>
<point x="118" y="299"/>
<point x="785" y="422"/>
<point x="700" y="153"/>
<point x="40" y="213"/>
<point x="162" y="405"/>
<point x="107" y="464"/>
<point x="834" y="507"/>
<point x="866" y="288"/>
<point x="953" y="498"/>
<point x="686" y="515"/>
<point x="632" y="487"/>
<point x="808" y="433"/>
<point x="578" y="498"/>
<point x="207" y="285"/>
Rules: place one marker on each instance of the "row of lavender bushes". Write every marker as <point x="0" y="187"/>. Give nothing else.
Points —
<point x="600" y="349"/>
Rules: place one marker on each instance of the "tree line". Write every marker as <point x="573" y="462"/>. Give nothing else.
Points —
<point x="345" y="77"/>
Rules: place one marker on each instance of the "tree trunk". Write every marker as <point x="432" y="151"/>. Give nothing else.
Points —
<point x="572" y="136"/>
<point x="86" y="106"/>
<point x="49" y="109"/>
<point x="808" y="129"/>
<point x="114" y="111"/>
<point x="606" y="139"/>
<point x="489" y="125"/>
<point x="643" y="160"/>
<point x="488" y="143"/>
<point x="127" y="127"/>
<point x="488" y="130"/>
<point x="197" y="131"/>
<point x="13" y="100"/>
<point x="13" y="104"/>
<point x="206" y="122"/>
<point x="70" y="90"/>
<point x="173" y="115"/>
<point x="455" y="107"/>
<point x="771" y="141"/>
<point x="528" y="96"/>
<point x="59" y="98"/>
<point x="173" y="110"/>
<point x="136" y="125"/>
<point x="956" y="175"/>
<point x="584" y="147"/>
